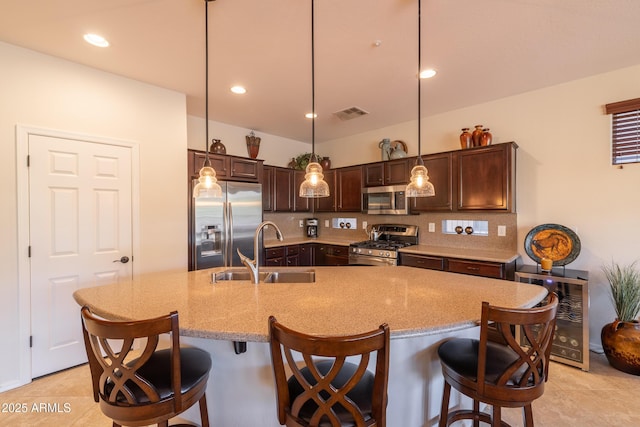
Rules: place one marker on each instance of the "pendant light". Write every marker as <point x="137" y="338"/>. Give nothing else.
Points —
<point x="420" y="185"/>
<point x="207" y="185"/>
<point x="314" y="185"/>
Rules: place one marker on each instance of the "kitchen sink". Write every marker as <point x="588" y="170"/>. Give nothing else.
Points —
<point x="277" y="276"/>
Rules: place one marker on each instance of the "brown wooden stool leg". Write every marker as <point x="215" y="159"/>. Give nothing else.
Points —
<point x="204" y="413"/>
<point x="444" y="410"/>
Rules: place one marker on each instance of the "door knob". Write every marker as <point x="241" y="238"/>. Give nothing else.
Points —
<point x="124" y="260"/>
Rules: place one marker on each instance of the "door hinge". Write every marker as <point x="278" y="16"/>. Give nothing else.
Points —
<point x="30" y="341"/>
<point x="29" y="251"/>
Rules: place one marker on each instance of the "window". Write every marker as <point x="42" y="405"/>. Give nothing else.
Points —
<point x="625" y="131"/>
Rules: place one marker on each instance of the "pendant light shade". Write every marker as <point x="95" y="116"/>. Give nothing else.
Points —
<point x="314" y="185"/>
<point x="420" y="185"/>
<point x="207" y="186"/>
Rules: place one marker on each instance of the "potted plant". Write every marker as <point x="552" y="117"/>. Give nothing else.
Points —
<point x="621" y="339"/>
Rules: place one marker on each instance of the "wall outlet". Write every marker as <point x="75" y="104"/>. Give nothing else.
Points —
<point x="432" y="227"/>
<point x="502" y="230"/>
<point x="301" y="223"/>
<point x="326" y="223"/>
<point x="364" y="225"/>
<point x="344" y="223"/>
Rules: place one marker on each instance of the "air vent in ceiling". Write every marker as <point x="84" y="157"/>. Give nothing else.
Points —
<point x="350" y="113"/>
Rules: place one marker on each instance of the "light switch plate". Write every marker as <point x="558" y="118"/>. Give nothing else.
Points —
<point x="326" y="223"/>
<point x="432" y="227"/>
<point x="502" y="230"/>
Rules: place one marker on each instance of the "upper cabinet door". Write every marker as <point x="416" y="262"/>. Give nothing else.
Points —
<point x="440" y="175"/>
<point x="282" y="187"/>
<point x="349" y="189"/>
<point x="486" y="178"/>
<point x="300" y="204"/>
<point x="328" y="204"/>
<point x="398" y="171"/>
<point x="373" y="174"/>
<point x="267" y="188"/>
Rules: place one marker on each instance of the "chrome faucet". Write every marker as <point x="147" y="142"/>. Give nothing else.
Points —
<point x="254" y="264"/>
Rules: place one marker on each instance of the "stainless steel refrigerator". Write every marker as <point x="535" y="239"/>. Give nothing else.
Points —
<point x="222" y="225"/>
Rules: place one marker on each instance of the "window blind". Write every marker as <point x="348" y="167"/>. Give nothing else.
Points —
<point x="625" y="131"/>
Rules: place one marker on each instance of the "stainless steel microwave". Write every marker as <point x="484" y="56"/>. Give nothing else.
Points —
<point x="386" y="200"/>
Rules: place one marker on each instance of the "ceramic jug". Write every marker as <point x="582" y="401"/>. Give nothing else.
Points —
<point x="399" y="150"/>
<point x="385" y="147"/>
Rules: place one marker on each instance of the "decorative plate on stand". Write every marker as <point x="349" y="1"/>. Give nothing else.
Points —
<point x="556" y="242"/>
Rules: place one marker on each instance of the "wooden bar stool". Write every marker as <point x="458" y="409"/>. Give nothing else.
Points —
<point x="149" y="389"/>
<point x="504" y="373"/>
<point x="325" y="389"/>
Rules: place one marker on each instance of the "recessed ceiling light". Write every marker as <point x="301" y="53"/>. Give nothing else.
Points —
<point x="96" y="40"/>
<point x="238" y="89"/>
<point x="427" y="74"/>
<point x="311" y="116"/>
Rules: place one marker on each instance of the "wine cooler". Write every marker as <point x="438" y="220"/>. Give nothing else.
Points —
<point x="571" y="338"/>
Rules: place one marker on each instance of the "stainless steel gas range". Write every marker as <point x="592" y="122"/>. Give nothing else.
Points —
<point x="382" y="247"/>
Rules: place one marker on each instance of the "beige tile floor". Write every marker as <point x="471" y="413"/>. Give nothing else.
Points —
<point x="603" y="397"/>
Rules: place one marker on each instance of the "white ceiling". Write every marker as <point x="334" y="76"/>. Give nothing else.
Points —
<point x="482" y="49"/>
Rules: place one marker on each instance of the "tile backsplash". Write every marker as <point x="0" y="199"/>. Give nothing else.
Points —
<point x="498" y="223"/>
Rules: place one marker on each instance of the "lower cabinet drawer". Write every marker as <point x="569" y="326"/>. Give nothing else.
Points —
<point x="274" y="252"/>
<point x="486" y="269"/>
<point x="430" y="262"/>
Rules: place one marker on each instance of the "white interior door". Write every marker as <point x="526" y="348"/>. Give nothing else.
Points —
<point x="80" y="229"/>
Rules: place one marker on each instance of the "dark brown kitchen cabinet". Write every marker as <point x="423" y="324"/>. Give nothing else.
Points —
<point x="305" y="256"/>
<point x="440" y="175"/>
<point x="486" y="178"/>
<point x="292" y="256"/>
<point x="391" y="172"/>
<point x="268" y="173"/>
<point x="275" y="256"/>
<point x="328" y="204"/>
<point x="289" y="256"/>
<point x="300" y="204"/>
<point x="495" y="270"/>
<point x="282" y="190"/>
<point x="331" y="255"/>
<point x="348" y="189"/>
<point x="228" y="168"/>
<point x="423" y="261"/>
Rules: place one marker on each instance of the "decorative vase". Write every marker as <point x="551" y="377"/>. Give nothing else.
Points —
<point x="325" y="163"/>
<point x="218" y="147"/>
<point x="385" y="148"/>
<point x="465" y="138"/>
<point x="292" y="164"/>
<point x="621" y="344"/>
<point x="253" y="145"/>
<point x="476" y="136"/>
<point x="486" y="137"/>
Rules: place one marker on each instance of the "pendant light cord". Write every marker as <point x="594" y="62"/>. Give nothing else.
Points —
<point x="207" y="162"/>
<point x="420" y="161"/>
<point x="313" y="86"/>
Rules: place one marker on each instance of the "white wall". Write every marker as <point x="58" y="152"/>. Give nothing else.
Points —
<point x="46" y="92"/>
<point x="564" y="172"/>
<point x="274" y="150"/>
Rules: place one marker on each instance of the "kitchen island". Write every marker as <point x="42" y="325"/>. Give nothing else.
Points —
<point x="422" y="307"/>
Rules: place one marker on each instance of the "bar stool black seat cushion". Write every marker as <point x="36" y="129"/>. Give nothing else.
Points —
<point x="195" y="365"/>
<point x="461" y="355"/>
<point x="360" y="394"/>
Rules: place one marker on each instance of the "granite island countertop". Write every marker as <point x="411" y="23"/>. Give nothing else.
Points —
<point x="342" y="300"/>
